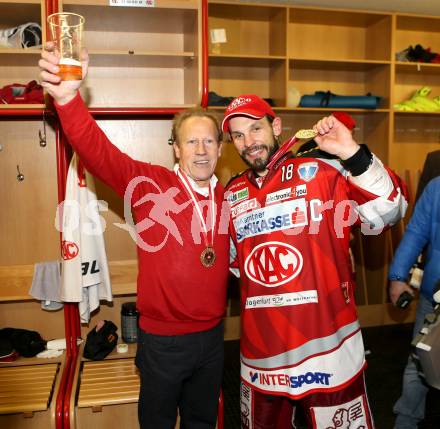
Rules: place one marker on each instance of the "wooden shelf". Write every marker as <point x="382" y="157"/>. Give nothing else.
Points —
<point x="16" y="12"/>
<point x="257" y="30"/>
<point x="23" y="361"/>
<point x="163" y="4"/>
<point x="341" y="34"/>
<point x="141" y="57"/>
<point x="413" y="67"/>
<point x="264" y="75"/>
<point x="131" y="353"/>
<point x="337" y="64"/>
<point x="114" y="61"/>
<point x="26" y="51"/>
<point x="22" y="106"/>
<point x="327" y="109"/>
<point x="245" y="62"/>
<point x="19" y="65"/>
<point x="402" y="112"/>
<point x="141" y="53"/>
<point x="20" y="2"/>
<point x="16" y="280"/>
<point x="416" y="29"/>
<point x="296" y="110"/>
<point x="245" y="58"/>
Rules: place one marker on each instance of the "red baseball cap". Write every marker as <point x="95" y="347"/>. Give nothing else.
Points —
<point x="249" y="105"/>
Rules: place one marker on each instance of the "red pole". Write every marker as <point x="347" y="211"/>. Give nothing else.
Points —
<point x="61" y="156"/>
<point x="221" y="412"/>
<point x="205" y="78"/>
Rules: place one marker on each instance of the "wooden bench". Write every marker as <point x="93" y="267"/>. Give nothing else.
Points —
<point x="28" y="386"/>
<point x="28" y="394"/>
<point x="108" y="393"/>
<point x="108" y="382"/>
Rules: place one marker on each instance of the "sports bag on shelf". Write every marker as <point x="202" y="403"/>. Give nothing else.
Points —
<point x="17" y="93"/>
<point x="328" y="99"/>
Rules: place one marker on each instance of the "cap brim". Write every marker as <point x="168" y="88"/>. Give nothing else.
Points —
<point x="248" y="114"/>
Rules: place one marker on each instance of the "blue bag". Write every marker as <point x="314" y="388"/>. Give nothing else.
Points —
<point x="330" y="100"/>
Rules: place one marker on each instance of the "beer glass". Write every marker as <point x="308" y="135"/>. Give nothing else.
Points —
<point x="66" y="30"/>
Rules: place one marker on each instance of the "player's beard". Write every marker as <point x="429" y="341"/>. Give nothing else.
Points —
<point x="259" y="165"/>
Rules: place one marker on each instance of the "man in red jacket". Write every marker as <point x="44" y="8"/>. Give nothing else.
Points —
<point x="290" y="223"/>
<point x="181" y="288"/>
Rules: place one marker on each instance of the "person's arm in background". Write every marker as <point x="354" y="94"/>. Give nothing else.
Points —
<point x="431" y="169"/>
<point x="416" y="237"/>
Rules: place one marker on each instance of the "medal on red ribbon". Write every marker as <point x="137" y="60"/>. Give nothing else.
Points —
<point x="208" y="256"/>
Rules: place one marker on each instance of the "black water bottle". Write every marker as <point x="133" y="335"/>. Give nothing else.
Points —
<point x="129" y="322"/>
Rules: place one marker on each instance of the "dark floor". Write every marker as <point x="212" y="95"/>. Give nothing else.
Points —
<point x="388" y="348"/>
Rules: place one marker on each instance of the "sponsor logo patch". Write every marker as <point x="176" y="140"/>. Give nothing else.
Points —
<point x="292" y="381"/>
<point x="273" y="263"/>
<point x="275" y="197"/>
<point x="307" y="171"/>
<point x="246" y="406"/>
<point x="236" y="184"/>
<point x="275" y="217"/>
<point x="236" y="197"/>
<point x="282" y="300"/>
<point x="301" y="190"/>
<point x="244" y="207"/>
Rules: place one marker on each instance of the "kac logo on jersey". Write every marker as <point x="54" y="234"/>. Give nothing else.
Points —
<point x="307" y="171"/>
<point x="273" y="263"/>
<point x="69" y="250"/>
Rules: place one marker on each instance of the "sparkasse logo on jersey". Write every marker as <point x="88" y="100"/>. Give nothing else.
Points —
<point x="273" y="263"/>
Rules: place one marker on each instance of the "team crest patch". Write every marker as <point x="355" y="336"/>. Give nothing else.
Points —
<point x="273" y="263"/>
<point x="307" y="171"/>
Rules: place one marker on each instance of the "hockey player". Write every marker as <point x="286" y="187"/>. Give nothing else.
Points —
<point x="290" y="222"/>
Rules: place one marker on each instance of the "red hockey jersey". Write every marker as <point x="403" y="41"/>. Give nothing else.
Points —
<point x="300" y="331"/>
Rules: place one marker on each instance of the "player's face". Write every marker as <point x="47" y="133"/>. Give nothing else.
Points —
<point x="254" y="140"/>
<point x="198" y="149"/>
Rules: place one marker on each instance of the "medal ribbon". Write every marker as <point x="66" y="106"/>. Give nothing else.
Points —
<point x="195" y="202"/>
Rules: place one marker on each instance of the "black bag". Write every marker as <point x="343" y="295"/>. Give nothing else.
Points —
<point x="26" y="343"/>
<point x="101" y="342"/>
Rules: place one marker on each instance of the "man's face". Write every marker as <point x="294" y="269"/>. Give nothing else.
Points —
<point x="198" y="149"/>
<point x="255" y="140"/>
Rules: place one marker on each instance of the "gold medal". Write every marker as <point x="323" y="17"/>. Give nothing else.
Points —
<point x="305" y="134"/>
<point x="207" y="257"/>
